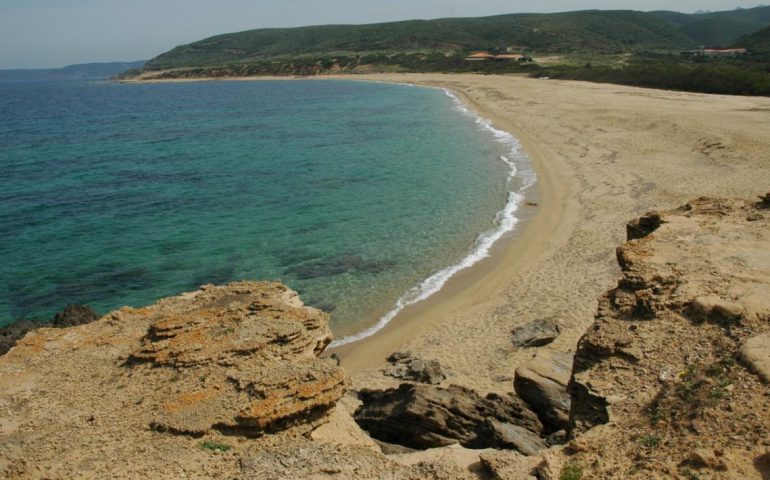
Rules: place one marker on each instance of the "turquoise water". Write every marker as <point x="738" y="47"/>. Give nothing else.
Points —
<point x="352" y="193"/>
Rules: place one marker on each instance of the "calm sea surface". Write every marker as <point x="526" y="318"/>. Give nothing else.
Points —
<point x="362" y="196"/>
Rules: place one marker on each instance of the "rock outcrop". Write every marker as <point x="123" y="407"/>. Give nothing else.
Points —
<point x="535" y="333"/>
<point x="542" y="384"/>
<point x="74" y="315"/>
<point x="71" y="316"/>
<point x="243" y="359"/>
<point x="223" y="363"/>
<point x="422" y="416"/>
<point x="405" y="366"/>
<point x="659" y="366"/>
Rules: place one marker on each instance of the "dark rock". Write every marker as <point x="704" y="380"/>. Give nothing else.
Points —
<point x="557" y="438"/>
<point x="764" y="201"/>
<point x="516" y="438"/>
<point x="404" y="366"/>
<point x="536" y="333"/>
<point x="542" y="384"/>
<point x="12" y="333"/>
<point x="422" y="416"/>
<point x="71" y="316"/>
<point x="643" y="226"/>
<point x="74" y="315"/>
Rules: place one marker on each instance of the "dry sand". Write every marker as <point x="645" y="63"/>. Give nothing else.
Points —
<point x="603" y="154"/>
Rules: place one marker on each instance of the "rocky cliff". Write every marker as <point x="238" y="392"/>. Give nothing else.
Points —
<point x="671" y="379"/>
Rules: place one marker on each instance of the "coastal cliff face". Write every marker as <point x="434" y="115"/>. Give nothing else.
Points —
<point x="671" y="379"/>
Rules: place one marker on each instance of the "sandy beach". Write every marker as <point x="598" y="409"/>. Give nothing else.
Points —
<point x="603" y="154"/>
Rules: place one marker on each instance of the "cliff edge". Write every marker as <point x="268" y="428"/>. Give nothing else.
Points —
<point x="671" y="380"/>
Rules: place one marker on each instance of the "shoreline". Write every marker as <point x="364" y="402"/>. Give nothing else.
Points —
<point x="498" y="255"/>
<point x="485" y="278"/>
<point x="384" y="335"/>
<point x="487" y="242"/>
<point x="603" y="154"/>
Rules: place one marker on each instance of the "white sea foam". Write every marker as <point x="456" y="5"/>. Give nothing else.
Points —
<point x="519" y="168"/>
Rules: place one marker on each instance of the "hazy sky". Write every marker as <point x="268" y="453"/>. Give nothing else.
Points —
<point x="54" y="33"/>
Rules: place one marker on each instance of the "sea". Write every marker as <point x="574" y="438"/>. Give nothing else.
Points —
<point x="364" y="197"/>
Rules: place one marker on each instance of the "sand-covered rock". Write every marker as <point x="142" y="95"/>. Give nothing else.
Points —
<point x="405" y="366"/>
<point x="756" y="353"/>
<point x="542" y="384"/>
<point x="250" y="366"/>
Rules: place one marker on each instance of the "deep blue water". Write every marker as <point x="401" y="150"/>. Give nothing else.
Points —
<point x="350" y="192"/>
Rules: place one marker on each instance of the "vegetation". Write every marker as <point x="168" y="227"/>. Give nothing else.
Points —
<point x="623" y="47"/>
<point x="699" y="387"/>
<point x="735" y="76"/>
<point x="596" y="31"/>
<point x="211" y="445"/>
<point x="571" y="471"/>
<point x="587" y="31"/>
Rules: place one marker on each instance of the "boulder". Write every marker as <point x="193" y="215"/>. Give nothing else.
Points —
<point x="643" y="226"/>
<point x="423" y="416"/>
<point x="404" y="366"/>
<point x="536" y="333"/>
<point x="74" y="315"/>
<point x="542" y="384"/>
<point x="755" y="353"/>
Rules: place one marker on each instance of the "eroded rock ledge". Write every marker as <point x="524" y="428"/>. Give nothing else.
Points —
<point x="667" y="374"/>
<point x="241" y="359"/>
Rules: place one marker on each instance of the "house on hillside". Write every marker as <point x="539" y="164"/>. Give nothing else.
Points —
<point x="480" y="57"/>
<point x="502" y="57"/>
<point x="723" y="52"/>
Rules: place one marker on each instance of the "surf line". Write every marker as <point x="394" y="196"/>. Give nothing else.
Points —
<point x="519" y="166"/>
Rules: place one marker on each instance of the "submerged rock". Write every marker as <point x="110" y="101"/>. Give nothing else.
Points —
<point x="422" y="416"/>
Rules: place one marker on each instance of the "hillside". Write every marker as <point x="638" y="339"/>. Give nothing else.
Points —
<point x="70" y="72"/>
<point x="600" y="31"/>
<point x="718" y="28"/>
<point x="592" y="31"/>
<point x="758" y="42"/>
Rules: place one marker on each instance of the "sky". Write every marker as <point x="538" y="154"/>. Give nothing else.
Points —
<point x="55" y="33"/>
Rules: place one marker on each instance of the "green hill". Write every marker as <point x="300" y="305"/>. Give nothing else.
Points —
<point x="595" y="31"/>
<point x="757" y="42"/>
<point x="718" y="28"/>
<point x="590" y="31"/>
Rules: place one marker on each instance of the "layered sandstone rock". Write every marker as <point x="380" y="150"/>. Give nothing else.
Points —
<point x="244" y="358"/>
<point x="109" y="399"/>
